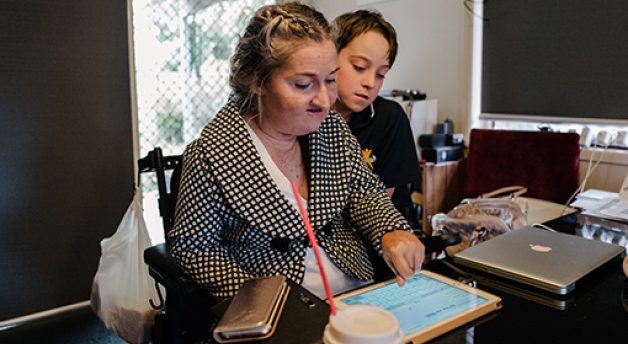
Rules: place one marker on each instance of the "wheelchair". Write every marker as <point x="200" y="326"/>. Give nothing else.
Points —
<point x="185" y="314"/>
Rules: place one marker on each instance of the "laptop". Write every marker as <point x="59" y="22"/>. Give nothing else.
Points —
<point x="544" y="259"/>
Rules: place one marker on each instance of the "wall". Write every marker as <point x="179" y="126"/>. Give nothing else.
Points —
<point x="610" y="171"/>
<point x="66" y="147"/>
<point x="434" y="49"/>
<point x="435" y="57"/>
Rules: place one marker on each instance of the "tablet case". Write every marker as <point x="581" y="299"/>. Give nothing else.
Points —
<point x="254" y="311"/>
<point x="425" y="327"/>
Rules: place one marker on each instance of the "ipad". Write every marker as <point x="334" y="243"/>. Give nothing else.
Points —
<point x="427" y="306"/>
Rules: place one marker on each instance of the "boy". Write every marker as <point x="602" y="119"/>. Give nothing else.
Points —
<point x="367" y="48"/>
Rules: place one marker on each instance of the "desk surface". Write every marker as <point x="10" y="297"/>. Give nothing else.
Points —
<point x="596" y="312"/>
<point x="597" y="315"/>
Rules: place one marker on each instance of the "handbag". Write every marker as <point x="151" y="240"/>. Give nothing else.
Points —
<point x="479" y="219"/>
<point x="122" y="287"/>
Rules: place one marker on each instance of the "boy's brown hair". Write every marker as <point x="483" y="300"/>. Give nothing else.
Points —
<point x="348" y="26"/>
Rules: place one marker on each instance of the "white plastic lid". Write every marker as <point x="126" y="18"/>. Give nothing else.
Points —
<point x="363" y="324"/>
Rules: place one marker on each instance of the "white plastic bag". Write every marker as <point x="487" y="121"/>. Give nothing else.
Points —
<point x="122" y="286"/>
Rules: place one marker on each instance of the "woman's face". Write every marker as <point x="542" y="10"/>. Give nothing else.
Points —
<point x="363" y="66"/>
<point x="297" y="97"/>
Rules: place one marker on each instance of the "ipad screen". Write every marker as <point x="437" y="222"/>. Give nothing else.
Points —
<point x="423" y="301"/>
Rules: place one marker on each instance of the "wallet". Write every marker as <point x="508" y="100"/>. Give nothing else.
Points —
<point x="254" y="311"/>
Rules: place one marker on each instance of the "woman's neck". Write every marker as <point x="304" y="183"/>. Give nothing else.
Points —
<point x="285" y="151"/>
<point x="272" y="139"/>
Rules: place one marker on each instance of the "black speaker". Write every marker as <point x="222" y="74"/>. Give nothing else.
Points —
<point x="432" y="140"/>
<point x="440" y="140"/>
<point x="442" y="154"/>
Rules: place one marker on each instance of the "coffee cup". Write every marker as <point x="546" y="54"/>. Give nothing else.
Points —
<point x="363" y="324"/>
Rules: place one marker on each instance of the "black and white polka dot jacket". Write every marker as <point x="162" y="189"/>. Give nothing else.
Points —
<point x="233" y="223"/>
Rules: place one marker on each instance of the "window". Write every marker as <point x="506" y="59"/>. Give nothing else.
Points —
<point x="529" y="55"/>
<point x="558" y="60"/>
<point x="181" y="52"/>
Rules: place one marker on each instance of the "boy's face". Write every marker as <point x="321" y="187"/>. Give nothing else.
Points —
<point x="363" y="65"/>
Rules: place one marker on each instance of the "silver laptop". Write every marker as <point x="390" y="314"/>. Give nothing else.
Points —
<point x="544" y="259"/>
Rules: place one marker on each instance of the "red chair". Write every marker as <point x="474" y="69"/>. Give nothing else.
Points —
<point x="547" y="163"/>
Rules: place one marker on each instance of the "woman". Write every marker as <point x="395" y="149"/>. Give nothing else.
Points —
<point x="367" y="48"/>
<point x="236" y="215"/>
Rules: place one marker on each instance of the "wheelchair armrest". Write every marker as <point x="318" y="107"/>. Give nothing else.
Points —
<point x="187" y="316"/>
<point x="165" y="270"/>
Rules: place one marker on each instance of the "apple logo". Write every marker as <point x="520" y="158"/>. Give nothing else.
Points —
<point x="540" y="248"/>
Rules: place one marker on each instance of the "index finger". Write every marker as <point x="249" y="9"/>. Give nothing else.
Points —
<point x="402" y="265"/>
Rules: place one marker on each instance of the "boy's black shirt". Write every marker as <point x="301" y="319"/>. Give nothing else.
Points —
<point x="385" y="137"/>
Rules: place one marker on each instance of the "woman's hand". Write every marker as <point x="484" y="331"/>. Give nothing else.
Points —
<point x="404" y="253"/>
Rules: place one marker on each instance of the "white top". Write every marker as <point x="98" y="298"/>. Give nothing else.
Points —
<point x="339" y="282"/>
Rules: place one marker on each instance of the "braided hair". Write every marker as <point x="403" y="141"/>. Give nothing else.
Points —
<point x="274" y="32"/>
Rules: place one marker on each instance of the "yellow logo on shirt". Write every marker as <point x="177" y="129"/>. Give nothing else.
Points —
<point x="368" y="156"/>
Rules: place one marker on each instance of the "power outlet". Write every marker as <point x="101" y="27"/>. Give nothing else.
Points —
<point x="621" y="139"/>
<point x="602" y="139"/>
<point x="586" y="137"/>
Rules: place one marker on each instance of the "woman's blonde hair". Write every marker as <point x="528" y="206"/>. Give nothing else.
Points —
<point x="274" y="32"/>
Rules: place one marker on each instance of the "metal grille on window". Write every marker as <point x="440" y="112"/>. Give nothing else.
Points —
<point x="181" y="52"/>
